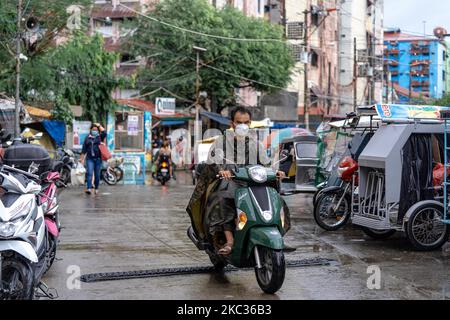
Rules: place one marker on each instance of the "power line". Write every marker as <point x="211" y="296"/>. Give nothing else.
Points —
<point x="200" y="33"/>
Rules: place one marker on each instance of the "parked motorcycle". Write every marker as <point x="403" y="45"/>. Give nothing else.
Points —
<point x="112" y="173"/>
<point x="163" y="171"/>
<point x="333" y="206"/>
<point x="260" y="228"/>
<point x="23" y="236"/>
<point x="33" y="163"/>
<point x="66" y="157"/>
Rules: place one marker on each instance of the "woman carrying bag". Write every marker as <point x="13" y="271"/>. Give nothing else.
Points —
<point x="92" y="157"/>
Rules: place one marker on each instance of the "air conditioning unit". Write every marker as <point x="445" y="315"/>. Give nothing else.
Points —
<point x="294" y="30"/>
<point x="364" y="70"/>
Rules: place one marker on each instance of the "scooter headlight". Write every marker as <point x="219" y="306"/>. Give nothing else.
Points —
<point x="258" y="174"/>
<point x="7" y="229"/>
<point x="267" y="215"/>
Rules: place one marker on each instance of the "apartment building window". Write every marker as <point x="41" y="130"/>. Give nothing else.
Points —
<point x="314" y="59"/>
<point x="315" y="20"/>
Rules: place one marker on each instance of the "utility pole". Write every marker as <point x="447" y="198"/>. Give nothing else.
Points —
<point x="372" y="58"/>
<point x="355" y="76"/>
<point x="18" y="52"/>
<point x="197" y="93"/>
<point x="306" y="87"/>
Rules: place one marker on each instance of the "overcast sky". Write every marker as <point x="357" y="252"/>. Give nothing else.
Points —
<point x="410" y="14"/>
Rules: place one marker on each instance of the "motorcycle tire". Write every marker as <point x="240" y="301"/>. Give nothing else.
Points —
<point x="119" y="174"/>
<point x="23" y="276"/>
<point x="109" y="178"/>
<point x="65" y="176"/>
<point x="322" y="206"/>
<point x="377" y="234"/>
<point x="218" y="263"/>
<point x="270" y="277"/>
<point x="50" y="256"/>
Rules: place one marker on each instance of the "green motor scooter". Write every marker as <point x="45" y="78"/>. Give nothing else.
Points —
<point x="258" y="238"/>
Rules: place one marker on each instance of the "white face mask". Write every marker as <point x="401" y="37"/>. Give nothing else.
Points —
<point x="242" y="130"/>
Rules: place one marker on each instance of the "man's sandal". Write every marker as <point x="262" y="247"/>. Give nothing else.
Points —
<point x="226" y="249"/>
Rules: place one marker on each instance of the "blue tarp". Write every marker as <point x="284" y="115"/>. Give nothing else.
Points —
<point x="216" y="117"/>
<point x="284" y="125"/>
<point x="167" y="123"/>
<point x="56" y="130"/>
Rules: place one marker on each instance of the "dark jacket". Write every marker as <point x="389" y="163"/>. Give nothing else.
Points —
<point x="91" y="146"/>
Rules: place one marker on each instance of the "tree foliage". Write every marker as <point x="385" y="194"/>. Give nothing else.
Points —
<point x="229" y="62"/>
<point x="444" y="101"/>
<point x="78" y="72"/>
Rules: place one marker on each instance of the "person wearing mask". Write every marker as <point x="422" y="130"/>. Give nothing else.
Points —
<point x="238" y="145"/>
<point x="91" y="157"/>
<point x="166" y="151"/>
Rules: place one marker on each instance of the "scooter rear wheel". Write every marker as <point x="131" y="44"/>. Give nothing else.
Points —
<point x="270" y="276"/>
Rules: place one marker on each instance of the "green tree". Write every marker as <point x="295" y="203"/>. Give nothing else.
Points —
<point x="78" y="72"/>
<point x="229" y="63"/>
<point x="444" y="101"/>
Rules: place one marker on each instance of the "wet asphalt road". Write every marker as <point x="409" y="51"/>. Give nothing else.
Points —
<point x="129" y="228"/>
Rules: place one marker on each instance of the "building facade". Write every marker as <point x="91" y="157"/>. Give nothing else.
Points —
<point x="108" y="19"/>
<point x="251" y="8"/>
<point x="417" y="65"/>
<point x="360" y="53"/>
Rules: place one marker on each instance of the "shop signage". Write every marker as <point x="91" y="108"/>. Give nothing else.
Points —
<point x="165" y="106"/>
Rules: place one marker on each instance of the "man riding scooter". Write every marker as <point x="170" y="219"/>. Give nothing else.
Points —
<point x="235" y="180"/>
<point x="244" y="146"/>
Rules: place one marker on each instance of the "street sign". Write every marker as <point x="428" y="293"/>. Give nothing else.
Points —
<point x="165" y="106"/>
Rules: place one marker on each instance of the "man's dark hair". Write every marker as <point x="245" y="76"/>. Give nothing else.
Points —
<point x="240" y="110"/>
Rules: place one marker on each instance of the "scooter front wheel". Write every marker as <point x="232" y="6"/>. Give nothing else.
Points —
<point x="17" y="280"/>
<point x="270" y="276"/>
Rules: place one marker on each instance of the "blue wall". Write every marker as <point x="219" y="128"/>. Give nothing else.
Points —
<point x="436" y="73"/>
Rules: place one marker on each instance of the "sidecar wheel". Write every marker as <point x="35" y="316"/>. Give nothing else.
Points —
<point x="271" y="276"/>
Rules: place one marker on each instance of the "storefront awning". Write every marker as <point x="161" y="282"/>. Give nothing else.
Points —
<point x="216" y="117"/>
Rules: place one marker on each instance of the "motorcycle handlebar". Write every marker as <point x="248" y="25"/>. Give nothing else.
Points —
<point x="27" y="174"/>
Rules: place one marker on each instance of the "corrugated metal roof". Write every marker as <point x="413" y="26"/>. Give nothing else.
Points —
<point x="144" y="105"/>
<point x="108" y="10"/>
<point x="401" y="36"/>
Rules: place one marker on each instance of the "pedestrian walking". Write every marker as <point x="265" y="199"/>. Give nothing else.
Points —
<point x="91" y="156"/>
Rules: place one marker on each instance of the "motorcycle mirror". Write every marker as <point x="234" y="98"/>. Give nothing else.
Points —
<point x="284" y="155"/>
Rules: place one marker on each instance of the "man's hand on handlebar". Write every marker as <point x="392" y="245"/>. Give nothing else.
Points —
<point x="281" y="175"/>
<point x="227" y="175"/>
